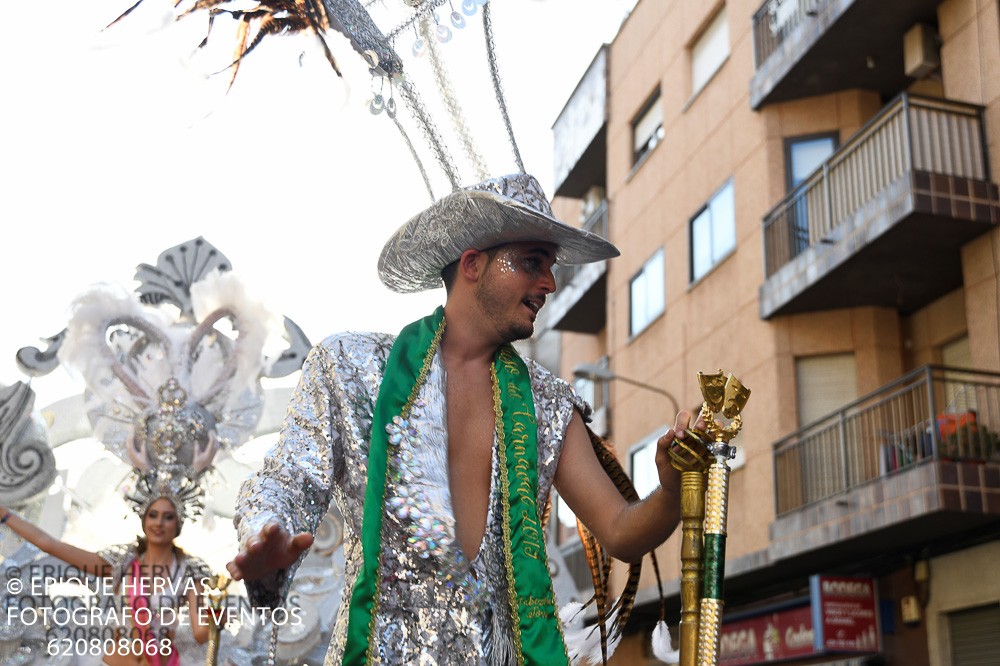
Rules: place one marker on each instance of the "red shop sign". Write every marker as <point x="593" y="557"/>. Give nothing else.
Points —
<point x="775" y="636"/>
<point x="845" y="612"/>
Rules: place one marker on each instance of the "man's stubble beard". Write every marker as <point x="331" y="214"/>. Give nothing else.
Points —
<point x="491" y="298"/>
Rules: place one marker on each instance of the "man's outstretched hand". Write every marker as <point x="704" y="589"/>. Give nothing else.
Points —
<point x="270" y="551"/>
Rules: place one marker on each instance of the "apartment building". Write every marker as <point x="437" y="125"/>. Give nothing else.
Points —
<point x="804" y="195"/>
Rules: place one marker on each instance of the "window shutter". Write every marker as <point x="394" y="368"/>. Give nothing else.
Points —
<point x="975" y="636"/>
<point x="959" y="396"/>
<point x="710" y="51"/>
<point x="647" y="126"/>
<point x="825" y="384"/>
<point x="957" y="353"/>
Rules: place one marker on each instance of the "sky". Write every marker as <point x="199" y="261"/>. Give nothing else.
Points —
<point x="115" y="145"/>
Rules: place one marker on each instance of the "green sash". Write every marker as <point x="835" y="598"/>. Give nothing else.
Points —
<point x="537" y="630"/>
<point x="408" y="362"/>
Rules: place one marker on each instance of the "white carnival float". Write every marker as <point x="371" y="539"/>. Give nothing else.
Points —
<point x="173" y="392"/>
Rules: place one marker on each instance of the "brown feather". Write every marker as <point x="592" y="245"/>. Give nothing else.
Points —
<point x="328" y="53"/>
<point x="600" y="570"/>
<point x="269" y="25"/>
<point x="659" y="587"/>
<point x="599" y="561"/>
<point x="123" y="14"/>
<point x="243" y="31"/>
<point x="269" y="18"/>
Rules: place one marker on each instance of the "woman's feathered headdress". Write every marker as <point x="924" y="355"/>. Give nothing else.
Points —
<point x="172" y="371"/>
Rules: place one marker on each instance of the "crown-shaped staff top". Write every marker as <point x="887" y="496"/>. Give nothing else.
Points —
<point x="723" y="394"/>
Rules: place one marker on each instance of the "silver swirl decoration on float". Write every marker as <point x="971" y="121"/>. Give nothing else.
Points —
<point x="27" y="466"/>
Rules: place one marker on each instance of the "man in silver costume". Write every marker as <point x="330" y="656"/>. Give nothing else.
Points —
<point x="442" y="582"/>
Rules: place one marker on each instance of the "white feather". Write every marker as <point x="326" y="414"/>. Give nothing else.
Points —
<point x="571" y="616"/>
<point x="663" y="647"/>
<point x="256" y="324"/>
<point x="584" y="645"/>
<point x="85" y="347"/>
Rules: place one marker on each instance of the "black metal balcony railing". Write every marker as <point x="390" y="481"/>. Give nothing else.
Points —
<point x="597" y="223"/>
<point x="910" y="134"/>
<point x="775" y="20"/>
<point x="931" y="413"/>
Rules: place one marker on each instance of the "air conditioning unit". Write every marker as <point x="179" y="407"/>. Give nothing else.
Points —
<point x="921" y="51"/>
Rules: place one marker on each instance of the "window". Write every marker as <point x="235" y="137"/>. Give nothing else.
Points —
<point x="584" y="388"/>
<point x="803" y="156"/>
<point x="975" y="635"/>
<point x="565" y="522"/>
<point x="647" y="128"/>
<point x="713" y="231"/>
<point x="825" y="384"/>
<point x="959" y="394"/>
<point x="709" y="51"/>
<point x="642" y="465"/>
<point x="593" y="392"/>
<point x="646" y="294"/>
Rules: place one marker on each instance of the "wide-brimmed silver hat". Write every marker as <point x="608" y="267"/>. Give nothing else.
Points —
<point x="501" y="210"/>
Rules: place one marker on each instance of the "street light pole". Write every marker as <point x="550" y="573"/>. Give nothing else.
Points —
<point x="596" y="372"/>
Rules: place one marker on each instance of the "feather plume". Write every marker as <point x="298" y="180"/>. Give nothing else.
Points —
<point x="86" y="346"/>
<point x="663" y="647"/>
<point x="589" y="645"/>
<point x="255" y="323"/>
<point x="571" y="616"/>
<point x="611" y="621"/>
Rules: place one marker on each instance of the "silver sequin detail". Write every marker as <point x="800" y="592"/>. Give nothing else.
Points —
<point x="436" y="607"/>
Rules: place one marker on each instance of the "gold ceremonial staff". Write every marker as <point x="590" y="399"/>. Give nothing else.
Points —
<point x="215" y="593"/>
<point x="703" y="515"/>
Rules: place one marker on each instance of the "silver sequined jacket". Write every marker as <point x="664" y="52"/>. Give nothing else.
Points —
<point x="435" y="607"/>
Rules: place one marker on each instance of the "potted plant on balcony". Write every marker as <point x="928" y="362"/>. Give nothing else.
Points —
<point x="962" y="437"/>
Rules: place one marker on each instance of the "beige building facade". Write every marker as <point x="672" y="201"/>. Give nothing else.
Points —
<point x="804" y="194"/>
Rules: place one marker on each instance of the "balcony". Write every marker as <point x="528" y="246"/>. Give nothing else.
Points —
<point x="579" y="301"/>
<point x="579" y="133"/>
<point x="804" y="48"/>
<point x="904" y="193"/>
<point x="914" y="462"/>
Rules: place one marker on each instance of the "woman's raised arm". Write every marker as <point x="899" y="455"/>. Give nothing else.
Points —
<point x="82" y="559"/>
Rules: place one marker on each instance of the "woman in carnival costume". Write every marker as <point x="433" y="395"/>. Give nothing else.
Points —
<point x="158" y="584"/>
<point x="169" y="389"/>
